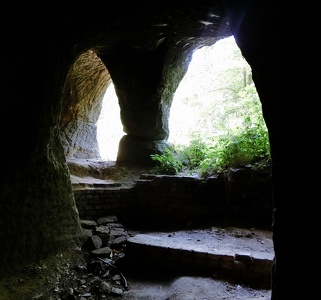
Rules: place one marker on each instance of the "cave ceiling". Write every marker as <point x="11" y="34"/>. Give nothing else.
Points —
<point x="143" y="28"/>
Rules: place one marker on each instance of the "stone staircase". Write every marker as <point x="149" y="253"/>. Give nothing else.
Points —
<point x="245" y="258"/>
<point x="203" y="252"/>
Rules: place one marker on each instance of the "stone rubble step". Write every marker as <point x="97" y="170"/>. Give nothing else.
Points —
<point x="94" y="183"/>
<point x="157" y="251"/>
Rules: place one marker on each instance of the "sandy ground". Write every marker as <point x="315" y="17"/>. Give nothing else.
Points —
<point x="190" y="288"/>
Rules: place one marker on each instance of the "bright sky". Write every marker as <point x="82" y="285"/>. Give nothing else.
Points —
<point x="109" y="127"/>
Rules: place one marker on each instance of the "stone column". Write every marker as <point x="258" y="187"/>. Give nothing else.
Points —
<point x="144" y="112"/>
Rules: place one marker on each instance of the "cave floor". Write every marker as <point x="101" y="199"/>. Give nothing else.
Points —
<point x="153" y="283"/>
<point x="166" y="283"/>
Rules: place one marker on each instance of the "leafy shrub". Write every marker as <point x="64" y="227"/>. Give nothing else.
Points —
<point x="231" y="131"/>
<point x="167" y="162"/>
<point x="247" y="144"/>
<point x="193" y="153"/>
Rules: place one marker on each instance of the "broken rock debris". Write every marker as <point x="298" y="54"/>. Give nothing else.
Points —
<point x="104" y="244"/>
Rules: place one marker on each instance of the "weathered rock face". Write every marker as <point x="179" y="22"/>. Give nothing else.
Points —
<point x="83" y="93"/>
<point x="283" y="72"/>
<point x="146" y="57"/>
<point x="145" y="47"/>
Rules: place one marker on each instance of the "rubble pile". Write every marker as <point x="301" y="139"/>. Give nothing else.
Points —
<point x="99" y="277"/>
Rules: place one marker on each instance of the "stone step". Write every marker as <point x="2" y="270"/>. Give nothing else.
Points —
<point x="93" y="183"/>
<point x="160" y="252"/>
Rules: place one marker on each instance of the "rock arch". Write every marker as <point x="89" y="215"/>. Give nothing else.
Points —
<point x="38" y="213"/>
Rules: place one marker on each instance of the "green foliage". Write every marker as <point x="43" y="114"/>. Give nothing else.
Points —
<point x="245" y="144"/>
<point x="229" y="129"/>
<point x="167" y="162"/>
<point x="193" y="153"/>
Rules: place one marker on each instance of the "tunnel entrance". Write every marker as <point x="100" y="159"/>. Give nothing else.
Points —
<point x="96" y="193"/>
<point x="216" y="97"/>
<point x="109" y="126"/>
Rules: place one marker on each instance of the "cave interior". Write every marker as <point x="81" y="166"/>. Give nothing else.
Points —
<point x="58" y="61"/>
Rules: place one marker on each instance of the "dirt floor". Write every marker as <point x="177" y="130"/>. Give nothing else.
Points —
<point x="59" y="278"/>
<point x="61" y="275"/>
<point x="190" y="288"/>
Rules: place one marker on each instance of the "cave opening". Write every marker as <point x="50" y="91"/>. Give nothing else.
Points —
<point x="109" y="126"/>
<point x="191" y="235"/>
<point x="200" y="98"/>
<point x="212" y="99"/>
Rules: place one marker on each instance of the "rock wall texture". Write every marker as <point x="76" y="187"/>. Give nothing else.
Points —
<point x="146" y="48"/>
<point x="84" y="89"/>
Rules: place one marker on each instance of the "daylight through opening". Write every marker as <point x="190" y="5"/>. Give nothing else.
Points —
<point x="216" y="97"/>
<point x="109" y="126"/>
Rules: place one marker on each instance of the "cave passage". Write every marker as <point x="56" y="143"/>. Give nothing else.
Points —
<point x="201" y="98"/>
